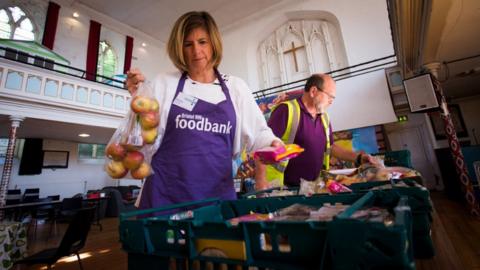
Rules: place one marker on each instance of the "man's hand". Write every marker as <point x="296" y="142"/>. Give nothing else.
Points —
<point x="134" y="78"/>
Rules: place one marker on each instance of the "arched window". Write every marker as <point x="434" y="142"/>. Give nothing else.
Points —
<point x="299" y="48"/>
<point x="15" y="24"/>
<point x="107" y="60"/>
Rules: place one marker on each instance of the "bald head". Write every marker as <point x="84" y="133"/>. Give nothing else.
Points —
<point x="320" y="91"/>
<point x="318" y="80"/>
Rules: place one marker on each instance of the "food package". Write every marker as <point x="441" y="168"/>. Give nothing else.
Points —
<point x="250" y="217"/>
<point x="334" y="187"/>
<point x="327" y="212"/>
<point x="278" y="154"/>
<point x="134" y="142"/>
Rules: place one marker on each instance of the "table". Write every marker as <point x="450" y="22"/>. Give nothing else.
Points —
<point x="13" y="243"/>
<point x="29" y="206"/>
<point x="20" y="208"/>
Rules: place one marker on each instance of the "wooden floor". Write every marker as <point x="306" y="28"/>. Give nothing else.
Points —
<point x="456" y="236"/>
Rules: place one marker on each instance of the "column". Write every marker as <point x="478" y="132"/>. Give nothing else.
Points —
<point x="468" y="187"/>
<point x="7" y="167"/>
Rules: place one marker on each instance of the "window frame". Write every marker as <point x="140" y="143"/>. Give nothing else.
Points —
<point x="14" y="25"/>
<point x="96" y="154"/>
<point x="101" y="59"/>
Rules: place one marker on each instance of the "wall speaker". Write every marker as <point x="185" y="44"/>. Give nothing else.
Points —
<point x="420" y="93"/>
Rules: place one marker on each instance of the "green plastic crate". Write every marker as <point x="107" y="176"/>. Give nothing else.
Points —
<point x="309" y="242"/>
<point x="359" y="245"/>
<point x="421" y="207"/>
<point x="141" y="234"/>
<point x="419" y="201"/>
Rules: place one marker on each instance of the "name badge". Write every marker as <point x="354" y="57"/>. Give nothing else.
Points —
<point x="185" y="101"/>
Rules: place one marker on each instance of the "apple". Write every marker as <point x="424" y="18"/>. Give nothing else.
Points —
<point x="141" y="172"/>
<point x="130" y="147"/>
<point x="141" y="104"/>
<point x="154" y="105"/>
<point x="115" y="151"/>
<point x="149" y="120"/>
<point x="149" y="135"/>
<point x="116" y="169"/>
<point x="133" y="160"/>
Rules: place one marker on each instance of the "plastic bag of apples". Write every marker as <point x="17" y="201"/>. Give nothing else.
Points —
<point x="133" y="144"/>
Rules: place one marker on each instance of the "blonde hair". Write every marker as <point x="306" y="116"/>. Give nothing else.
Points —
<point x="186" y="24"/>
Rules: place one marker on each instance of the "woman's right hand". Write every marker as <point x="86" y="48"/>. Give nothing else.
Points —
<point x="134" y="78"/>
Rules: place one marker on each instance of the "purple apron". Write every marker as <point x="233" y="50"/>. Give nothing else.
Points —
<point x="194" y="160"/>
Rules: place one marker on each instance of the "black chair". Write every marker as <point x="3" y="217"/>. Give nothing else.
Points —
<point x="44" y="212"/>
<point x="31" y="195"/>
<point x="78" y="195"/>
<point x="72" y="242"/>
<point x="53" y="213"/>
<point x="115" y="203"/>
<point x="54" y="197"/>
<point x="69" y="208"/>
<point x="14" y="196"/>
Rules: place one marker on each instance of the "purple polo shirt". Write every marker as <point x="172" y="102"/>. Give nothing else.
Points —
<point x="310" y="135"/>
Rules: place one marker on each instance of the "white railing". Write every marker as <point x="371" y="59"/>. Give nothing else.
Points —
<point x="23" y="82"/>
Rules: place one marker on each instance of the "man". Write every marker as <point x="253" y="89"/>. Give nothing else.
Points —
<point x="304" y="121"/>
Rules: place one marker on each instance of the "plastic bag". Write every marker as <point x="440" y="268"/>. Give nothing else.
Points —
<point x="133" y="144"/>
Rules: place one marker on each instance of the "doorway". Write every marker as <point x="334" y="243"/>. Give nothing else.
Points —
<point x="412" y="138"/>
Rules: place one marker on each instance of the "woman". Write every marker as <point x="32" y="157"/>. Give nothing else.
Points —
<point x="206" y="119"/>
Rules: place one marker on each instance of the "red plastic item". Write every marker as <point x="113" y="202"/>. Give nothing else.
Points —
<point x="93" y="195"/>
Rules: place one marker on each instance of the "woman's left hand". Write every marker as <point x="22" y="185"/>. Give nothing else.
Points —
<point x="277" y="143"/>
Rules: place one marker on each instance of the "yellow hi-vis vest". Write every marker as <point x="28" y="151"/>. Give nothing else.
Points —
<point x="275" y="172"/>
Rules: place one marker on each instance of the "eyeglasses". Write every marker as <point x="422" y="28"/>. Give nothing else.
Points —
<point x="329" y="95"/>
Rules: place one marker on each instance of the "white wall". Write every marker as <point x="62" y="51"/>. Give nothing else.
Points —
<point x="72" y="39"/>
<point x="79" y="177"/>
<point x="366" y="37"/>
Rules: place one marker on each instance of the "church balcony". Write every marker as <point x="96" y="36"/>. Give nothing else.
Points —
<point x="58" y="93"/>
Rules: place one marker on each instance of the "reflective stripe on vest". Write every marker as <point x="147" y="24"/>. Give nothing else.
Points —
<point x="274" y="172"/>
<point x="328" y="147"/>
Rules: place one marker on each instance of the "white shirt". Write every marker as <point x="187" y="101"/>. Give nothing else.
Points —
<point x="251" y="130"/>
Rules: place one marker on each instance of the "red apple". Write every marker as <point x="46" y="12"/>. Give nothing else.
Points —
<point x="141" y="172"/>
<point x="116" y="169"/>
<point x="149" y="135"/>
<point x="115" y="151"/>
<point x="141" y="104"/>
<point x="130" y="147"/>
<point x="149" y="120"/>
<point x="154" y="105"/>
<point x="133" y="160"/>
